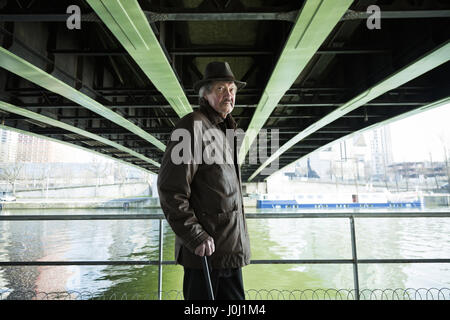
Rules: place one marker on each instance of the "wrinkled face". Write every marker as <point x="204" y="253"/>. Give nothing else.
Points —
<point x="222" y="96"/>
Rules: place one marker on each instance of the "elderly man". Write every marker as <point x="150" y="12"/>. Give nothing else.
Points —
<point x="202" y="201"/>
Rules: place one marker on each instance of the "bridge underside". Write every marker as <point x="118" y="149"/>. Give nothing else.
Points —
<point x="119" y="84"/>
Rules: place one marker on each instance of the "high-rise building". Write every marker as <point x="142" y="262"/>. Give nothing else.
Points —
<point x="8" y="145"/>
<point x="33" y="149"/>
<point x="381" y="150"/>
<point x="17" y="147"/>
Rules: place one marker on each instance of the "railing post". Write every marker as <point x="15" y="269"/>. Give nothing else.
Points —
<point x="160" y="254"/>
<point x="354" y="258"/>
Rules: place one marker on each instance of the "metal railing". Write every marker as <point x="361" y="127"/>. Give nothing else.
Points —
<point x="285" y="215"/>
<point x="251" y="294"/>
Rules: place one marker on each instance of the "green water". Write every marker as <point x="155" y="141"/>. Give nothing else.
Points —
<point x="305" y="238"/>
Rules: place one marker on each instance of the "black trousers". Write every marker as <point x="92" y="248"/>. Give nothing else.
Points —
<point x="227" y="284"/>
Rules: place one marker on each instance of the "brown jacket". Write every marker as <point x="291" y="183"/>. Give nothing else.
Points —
<point x="201" y="199"/>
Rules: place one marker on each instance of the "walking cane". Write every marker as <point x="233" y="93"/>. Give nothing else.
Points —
<point x="207" y="278"/>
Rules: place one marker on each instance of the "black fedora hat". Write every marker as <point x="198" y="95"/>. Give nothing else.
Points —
<point x="218" y="71"/>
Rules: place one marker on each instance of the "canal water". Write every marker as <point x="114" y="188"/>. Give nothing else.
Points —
<point x="302" y="238"/>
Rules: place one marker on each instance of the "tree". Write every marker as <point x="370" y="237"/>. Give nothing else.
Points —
<point x="10" y="173"/>
<point x="46" y="168"/>
<point x="447" y="167"/>
<point x="434" y="175"/>
<point x="100" y="169"/>
<point x="444" y="141"/>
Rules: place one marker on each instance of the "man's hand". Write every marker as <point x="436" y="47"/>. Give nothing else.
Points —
<point x="206" y="248"/>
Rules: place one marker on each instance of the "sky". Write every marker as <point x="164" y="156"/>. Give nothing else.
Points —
<point x="414" y="137"/>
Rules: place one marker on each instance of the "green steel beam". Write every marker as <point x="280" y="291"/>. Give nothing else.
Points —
<point x="126" y="20"/>
<point x="55" y="123"/>
<point x="424" y="64"/>
<point x="427" y="107"/>
<point x="315" y="22"/>
<point x="24" y="69"/>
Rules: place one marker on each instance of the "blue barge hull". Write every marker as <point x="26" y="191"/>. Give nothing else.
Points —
<point x="273" y="204"/>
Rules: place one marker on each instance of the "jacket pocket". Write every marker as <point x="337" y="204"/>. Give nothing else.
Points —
<point x="226" y="217"/>
<point x="216" y="223"/>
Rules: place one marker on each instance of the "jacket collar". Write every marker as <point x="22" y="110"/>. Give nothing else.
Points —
<point x="215" y="117"/>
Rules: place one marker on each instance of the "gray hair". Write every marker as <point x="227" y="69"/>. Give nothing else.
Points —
<point x="206" y="88"/>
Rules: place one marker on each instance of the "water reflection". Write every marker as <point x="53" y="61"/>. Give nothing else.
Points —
<point x="306" y="238"/>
